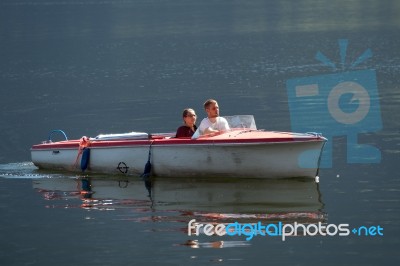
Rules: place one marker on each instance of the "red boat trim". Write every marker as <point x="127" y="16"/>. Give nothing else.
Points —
<point x="74" y="144"/>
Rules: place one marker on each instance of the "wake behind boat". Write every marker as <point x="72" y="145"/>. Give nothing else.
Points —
<point x="243" y="151"/>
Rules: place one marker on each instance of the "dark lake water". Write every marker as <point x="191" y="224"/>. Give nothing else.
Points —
<point x="91" y="67"/>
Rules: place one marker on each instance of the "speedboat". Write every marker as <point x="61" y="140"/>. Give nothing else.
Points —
<point x="244" y="151"/>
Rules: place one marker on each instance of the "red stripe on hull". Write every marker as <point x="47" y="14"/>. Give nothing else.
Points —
<point x="242" y="137"/>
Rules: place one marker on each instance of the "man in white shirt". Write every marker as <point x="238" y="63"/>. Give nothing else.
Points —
<point x="213" y="123"/>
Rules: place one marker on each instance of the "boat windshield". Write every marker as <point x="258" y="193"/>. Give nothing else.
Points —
<point x="235" y="122"/>
<point x="241" y="122"/>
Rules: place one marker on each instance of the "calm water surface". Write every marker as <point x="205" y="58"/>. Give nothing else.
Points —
<point x="91" y="67"/>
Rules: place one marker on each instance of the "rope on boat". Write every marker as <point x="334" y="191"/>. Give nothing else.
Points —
<point x="147" y="172"/>
<point x="319" y="135"/>
<point x="83" y="150"/>
<point x="147" y="167"/>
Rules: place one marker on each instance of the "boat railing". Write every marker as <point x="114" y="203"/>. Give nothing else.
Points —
<point x="167" y="135"/>
<point x="124" y="136"/>
<point x="49" y="139"/>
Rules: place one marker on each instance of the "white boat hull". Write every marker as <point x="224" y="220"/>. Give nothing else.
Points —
<point x="239" y="160"/>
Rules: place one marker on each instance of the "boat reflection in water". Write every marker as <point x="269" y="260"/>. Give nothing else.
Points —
<point x="208" y="200"/>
